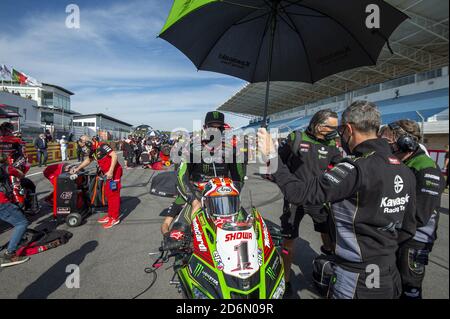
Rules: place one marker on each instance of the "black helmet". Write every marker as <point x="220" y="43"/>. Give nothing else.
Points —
<point x="215" y="118"/>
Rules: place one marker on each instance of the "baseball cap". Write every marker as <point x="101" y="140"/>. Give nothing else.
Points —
<point x="214" y="118"/>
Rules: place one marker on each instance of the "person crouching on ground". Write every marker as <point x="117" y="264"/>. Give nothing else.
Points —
<point x="110" y="167"/>
<point x="11" y="214"/>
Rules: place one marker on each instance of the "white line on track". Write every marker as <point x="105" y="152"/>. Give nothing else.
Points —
<point x="34" y="174"/>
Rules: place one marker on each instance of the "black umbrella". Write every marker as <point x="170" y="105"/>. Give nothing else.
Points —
<point x="281" y="40"/>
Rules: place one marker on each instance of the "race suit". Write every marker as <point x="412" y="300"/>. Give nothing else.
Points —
<point x="373" y="205"/>
<point x="306" y="157"/>
<point x="191" y="173"/>
<point x="14" y="148"/>
<point x="413" y="254"/>
<point x="101" y="153"/>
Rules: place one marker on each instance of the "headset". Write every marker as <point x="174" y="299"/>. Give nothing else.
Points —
<point x="406" y="142"/>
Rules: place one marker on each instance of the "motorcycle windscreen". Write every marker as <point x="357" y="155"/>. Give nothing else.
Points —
<point x="239" y="251"/>
<point x="222" y="206"/>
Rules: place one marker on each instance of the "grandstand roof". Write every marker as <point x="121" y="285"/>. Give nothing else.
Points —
<point x="420" y="44"/>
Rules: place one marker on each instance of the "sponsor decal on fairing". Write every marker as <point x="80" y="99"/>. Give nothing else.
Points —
<point x="218" y="260"/>
<point x="198" y="236"/>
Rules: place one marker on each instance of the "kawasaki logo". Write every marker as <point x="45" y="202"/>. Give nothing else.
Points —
<point x="389" y="202"/>
<point x="216" y="115"/>
<point x="398" y="184"/>
<point x="198" y="270"/>
<point x="270" y="273"/>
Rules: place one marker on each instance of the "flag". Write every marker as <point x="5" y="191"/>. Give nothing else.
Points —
<point x="31" y="81"/>
<point x="19" y="77"/>
<point x="5" y="73"/>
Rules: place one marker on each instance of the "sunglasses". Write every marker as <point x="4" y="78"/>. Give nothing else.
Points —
<point x="334" y="128"/>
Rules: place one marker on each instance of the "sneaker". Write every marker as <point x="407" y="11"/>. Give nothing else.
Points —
<point x="103" y="220"/>
<point x="9" y="260"/>
<point x="111" y="223"/>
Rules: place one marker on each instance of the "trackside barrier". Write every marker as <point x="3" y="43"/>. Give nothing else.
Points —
<point x="54" y="152"/>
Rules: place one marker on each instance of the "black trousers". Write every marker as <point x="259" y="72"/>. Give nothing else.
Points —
<point x="80" y="155"/>
<point x="42" y="157"/>
<point x="365" y="284"/>
<point x="412" y="258"/>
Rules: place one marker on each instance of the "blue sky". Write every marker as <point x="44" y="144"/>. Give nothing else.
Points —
<point x="114" y="63"/>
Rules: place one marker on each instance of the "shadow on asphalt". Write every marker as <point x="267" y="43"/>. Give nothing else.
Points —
<point x="45" y="210"/>
<point x="127" y="205"/>
<point x="303" y="258"/>
<point x="56" y="276"/>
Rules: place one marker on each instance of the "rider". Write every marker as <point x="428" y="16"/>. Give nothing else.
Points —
<point x="404" y="137"/>
<point x="191" y="175"/>
<point x="12" y="146"/>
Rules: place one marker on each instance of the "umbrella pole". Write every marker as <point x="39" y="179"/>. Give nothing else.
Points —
<point x="273" y="27"/>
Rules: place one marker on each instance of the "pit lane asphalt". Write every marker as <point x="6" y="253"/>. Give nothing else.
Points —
<point x="112" y="262"/>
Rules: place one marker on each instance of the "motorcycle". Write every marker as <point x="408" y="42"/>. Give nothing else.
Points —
<point x="226" y="256"/>
<point x="24" y="190"/>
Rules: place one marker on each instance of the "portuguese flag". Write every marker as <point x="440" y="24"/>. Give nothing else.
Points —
<point x="19" y="77"/>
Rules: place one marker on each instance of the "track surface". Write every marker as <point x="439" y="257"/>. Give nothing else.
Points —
<point x="112" y="262"/>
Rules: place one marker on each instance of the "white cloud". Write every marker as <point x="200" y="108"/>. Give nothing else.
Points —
<point x="166" y="110"/>
<point x="114" y="62"/>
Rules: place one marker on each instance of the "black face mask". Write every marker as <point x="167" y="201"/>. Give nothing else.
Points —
<point x="345" y="143"/>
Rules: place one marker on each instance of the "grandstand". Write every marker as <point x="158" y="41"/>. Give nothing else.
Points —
<point x="411" y="83"/>
<point x="415" y="107"/>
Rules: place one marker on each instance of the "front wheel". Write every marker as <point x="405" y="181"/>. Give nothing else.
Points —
<point x="74" y="220"/>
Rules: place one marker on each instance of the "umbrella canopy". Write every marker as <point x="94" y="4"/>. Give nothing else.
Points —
<point x="280" y="40"/>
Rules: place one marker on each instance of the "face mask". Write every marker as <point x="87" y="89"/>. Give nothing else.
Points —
<point x="345" y="143"/>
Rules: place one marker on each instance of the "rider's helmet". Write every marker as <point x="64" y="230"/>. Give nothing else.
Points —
<point x="221" y="198"/>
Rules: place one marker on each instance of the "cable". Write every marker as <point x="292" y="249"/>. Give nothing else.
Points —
<point x="155" y="277"/>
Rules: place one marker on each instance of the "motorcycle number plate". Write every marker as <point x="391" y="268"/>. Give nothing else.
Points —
<point x="239" y="252"/>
